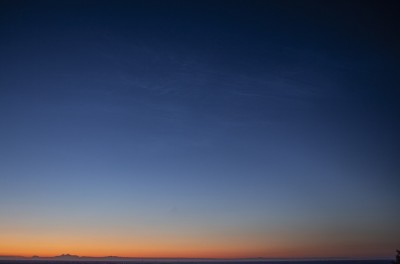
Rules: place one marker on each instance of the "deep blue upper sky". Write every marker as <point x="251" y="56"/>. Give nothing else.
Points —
<point x="271" y="124"/>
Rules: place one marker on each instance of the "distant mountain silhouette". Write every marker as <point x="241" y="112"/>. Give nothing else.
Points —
<point x="159" y="260"/>
<point x="397" y="261"/>
<point x="67" y="257"/>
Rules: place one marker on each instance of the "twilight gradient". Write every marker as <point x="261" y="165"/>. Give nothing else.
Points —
<point x="199" y="128"/>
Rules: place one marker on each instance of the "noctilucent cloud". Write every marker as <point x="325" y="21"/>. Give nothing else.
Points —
<point x="200" y="128"/>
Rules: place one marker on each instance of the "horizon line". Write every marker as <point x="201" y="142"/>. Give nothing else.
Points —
<point x="64" y="257"/>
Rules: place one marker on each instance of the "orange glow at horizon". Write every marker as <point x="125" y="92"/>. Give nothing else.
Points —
<point x="48" y="240"/>
<point x="45" y="247"/>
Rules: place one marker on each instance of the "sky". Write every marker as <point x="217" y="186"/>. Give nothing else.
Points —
<point x="225" y="129"/>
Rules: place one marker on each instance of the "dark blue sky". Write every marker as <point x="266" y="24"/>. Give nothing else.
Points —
<point x="231" y="128"/>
